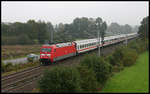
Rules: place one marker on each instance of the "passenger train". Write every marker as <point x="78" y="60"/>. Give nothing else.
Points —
<point x="56" y="52"/>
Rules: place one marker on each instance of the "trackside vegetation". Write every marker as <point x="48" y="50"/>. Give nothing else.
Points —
<point x="131" y="79"/>
<point x="60" y="79"/>
<point x="93" y="72"/>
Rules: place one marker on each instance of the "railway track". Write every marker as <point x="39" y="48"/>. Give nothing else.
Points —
<point x="14" y="80"/>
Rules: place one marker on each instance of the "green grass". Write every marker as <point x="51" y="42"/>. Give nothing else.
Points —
<point x="134" y="79"/>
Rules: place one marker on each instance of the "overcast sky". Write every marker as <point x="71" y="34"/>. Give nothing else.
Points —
<point x="121" y="12"/>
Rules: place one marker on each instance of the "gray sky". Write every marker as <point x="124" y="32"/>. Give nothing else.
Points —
<point x="121" y="12"/>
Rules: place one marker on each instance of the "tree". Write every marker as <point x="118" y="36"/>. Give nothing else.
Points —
<point x="102" y="26"/>
<point x="102" y="33"/>
<point x="144" y="28"/>
<point x="24" y="39"/>
<point x="50" y="31"/>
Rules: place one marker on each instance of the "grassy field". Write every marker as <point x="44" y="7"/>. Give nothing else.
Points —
<point x="17" y="51"/>
<point x="134" y="79"/>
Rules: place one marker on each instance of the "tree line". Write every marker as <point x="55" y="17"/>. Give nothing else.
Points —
<point x="39" y="32"/>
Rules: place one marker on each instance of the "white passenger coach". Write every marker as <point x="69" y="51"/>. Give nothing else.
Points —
<point x="91" y="44"/>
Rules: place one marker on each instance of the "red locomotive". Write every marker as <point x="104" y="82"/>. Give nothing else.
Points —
<point x="53" y="53"/>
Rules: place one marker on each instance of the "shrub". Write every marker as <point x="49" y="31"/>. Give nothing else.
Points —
<point x="117" y="65"/>
<point x="60" y="79"/>
<point x="116" y="68"/>
<point x="139" y="45"/>
<point x="8" y="67"/>
<point x="129" y="57"/>
<point x="116" y="59"/>
<point x="117" y="56"/>
<point x="88" y="80"/>
<point x="111" y="60"/>
<point x="101" y="68"/>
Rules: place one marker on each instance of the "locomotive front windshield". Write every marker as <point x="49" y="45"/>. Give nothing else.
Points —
<point x="46" y="50"/>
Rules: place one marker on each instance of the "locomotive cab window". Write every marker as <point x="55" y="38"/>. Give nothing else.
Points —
<point x="46" y="50"/>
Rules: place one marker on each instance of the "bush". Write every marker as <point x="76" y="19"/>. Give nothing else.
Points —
<point x="8" y="67"/>
<point x="139" y="45"/>
<point x="117" y="65"/>
<point x="101" y="68"/>
<point x="117" y="57"/>
<point x="60" y="79"/>
<point x="129" y="57"/>
<point x="88" y="80"/>
<point x="111" y="59"/>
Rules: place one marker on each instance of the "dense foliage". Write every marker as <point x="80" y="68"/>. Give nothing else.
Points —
<point x="101" y="68"/>
<point x="88" y="81"/>
<point x="144" y="28"/>
<point x="40" y="32"/>
<point x="129" y="57"/>
<point x="59" y="80"/>
<point x="24" y="33"/>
